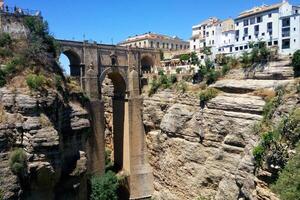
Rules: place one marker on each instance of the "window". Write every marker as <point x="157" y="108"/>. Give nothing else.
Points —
<point x="270" y="43"/>
<point x="246" y="47"/>
<point x="271" y="33"/>
<point x="241" y="47"/>
<point x="246" y="31"/>
<point x="236" y="48"/>
<point x="286" y="32"/>
<point x="207" y="34"/>
<point x="256" y="29"/>
<point x="259" y="19"/>
<point x="294" y="29"/>
<point x="237" y="24"/>
<point x="151" y="44"/>
<point x="194" y="47"/>
<point x="286" y="44"/>
<point x="246" y="22"/>
<point x="163" y="45"/>
<point x="167" y="45"/>
<point x="286" y="22"/>
<point x="157" y="45"/>
<point x="294" y="40"/>
<point x="237" y="33"/>
<point x="263" y="34"/>
<point x="249" y="37"/>
<point x="194" y="40"/>
<point x="213" y="32"/>
<point x="172" y="46"/>
<point x="252" y="20"/>
<point x="213" y="42"/>
<point x="270" y="26"/>
<point x="230" y="49"/>
<point x="296" y="11"/>
<point x="243" y="38"/>
<point x="270" y="15"/>
<point x="180" y="46"/>
<point x="275" y="43"/>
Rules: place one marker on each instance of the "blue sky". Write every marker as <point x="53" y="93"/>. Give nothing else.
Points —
<point x="111" y="21"/>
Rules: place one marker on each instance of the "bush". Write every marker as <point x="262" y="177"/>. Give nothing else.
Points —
<point x="258" y="153"/>
<point x="208" y="94"/>
<point x="5" y="52"/>
<point x="18" y="162"/>
<point x="233" y="62"/>
<point x="5" y="40"/>
<point x="225" y="69"/>
<point x="212" y="76"/>
<point x="104" y="187"/>
<point x="184" y="57"/>
<point x="288" y="184"/>
<point x="58" y="82"/>
<point x="178" y="70"/>
<point x="181" y="87"/>
<point x="35" y="82"/>
<point x="246" y="60"/>
<point x="2" y="78"/>
<point x="296" y="62"/>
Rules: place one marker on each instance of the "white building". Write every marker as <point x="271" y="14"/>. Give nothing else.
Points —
<point x="157" y="41"/>
<point x="277" y="25"/>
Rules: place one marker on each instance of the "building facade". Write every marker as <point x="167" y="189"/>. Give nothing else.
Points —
<point x="277" y="25"/>
<point x="156" y="41"/>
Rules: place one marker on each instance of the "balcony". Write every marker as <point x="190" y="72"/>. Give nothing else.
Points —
<point x="285" y="33"/>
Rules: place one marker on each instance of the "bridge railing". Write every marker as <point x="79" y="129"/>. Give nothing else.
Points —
<point x="19" y="11"/>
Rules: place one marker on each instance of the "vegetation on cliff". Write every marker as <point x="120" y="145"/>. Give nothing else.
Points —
<point x="296" y="63"/>
<point x="18" y="162"/>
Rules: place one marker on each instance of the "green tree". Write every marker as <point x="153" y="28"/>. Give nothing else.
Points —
<point x="18" y="162"/>
<point x="194" y="59"/>
<point x="104" y="187"/>
<point x="184" y="57"/>
<point x="288" y="184"/>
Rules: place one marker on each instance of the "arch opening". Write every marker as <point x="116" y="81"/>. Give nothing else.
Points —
<point x="113" y="91"/>
<point x="71" y="63"/>
<point x="147" y="64"/>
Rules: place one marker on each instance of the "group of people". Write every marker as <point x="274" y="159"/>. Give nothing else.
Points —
<point x="15" y="10"/>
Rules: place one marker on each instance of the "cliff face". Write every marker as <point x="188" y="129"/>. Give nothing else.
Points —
<point x="207" y="152"/>
<point x="53" y="133"/>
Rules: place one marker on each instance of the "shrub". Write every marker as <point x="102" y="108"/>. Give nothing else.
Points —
<point x="36" y="25"/>
<point x="18" y="162"/>
<point x="104" y="187"/>
<point x="178" y="70"/>
<point x="108" y="161"/>
<point x="225" y="69"/>
<point x="233" y="62"/>
<point x="184" y="57"/>
<point x="5" y="40"/>
<point x="2" y="78"/>
<point x="181" y="87"/>
<point x="5" y="52"/>
<point x="35" y="82"/>
<point x="288" y="184"/>
<point x="208" y="94"/>
<point x="296" y="62"/>
<point x="194" y="59"/>
<point x="246" y="60"/>
<point x="258" y="153"/>
<point x="58" y="82"/>
<point x="212" y="76"/>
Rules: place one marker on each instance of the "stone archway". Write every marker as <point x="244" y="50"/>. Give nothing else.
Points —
<point x="147" y="64"/>
<point x="75" y="62"/>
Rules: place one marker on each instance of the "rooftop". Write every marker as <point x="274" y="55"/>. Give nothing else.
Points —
<point x="260" y="9"/>
<point x="150" y="35"/>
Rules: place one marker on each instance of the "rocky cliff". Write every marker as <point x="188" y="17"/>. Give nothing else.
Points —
<point x="206" y="153"/>
<point x="52" y="132"/>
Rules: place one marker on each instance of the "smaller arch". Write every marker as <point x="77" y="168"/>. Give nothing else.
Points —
<point x="147" y="64"/>
<point x="118" y="76"/>
<point x="75" y="62"/>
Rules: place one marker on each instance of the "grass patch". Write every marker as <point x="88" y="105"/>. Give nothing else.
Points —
<point x="35" y="82"/>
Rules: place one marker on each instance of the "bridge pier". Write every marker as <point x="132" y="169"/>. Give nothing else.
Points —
<point x="141" y="178"/>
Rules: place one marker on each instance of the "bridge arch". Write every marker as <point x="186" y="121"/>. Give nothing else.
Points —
<point x="75" y="62"/>
<point x="147" y="63"/>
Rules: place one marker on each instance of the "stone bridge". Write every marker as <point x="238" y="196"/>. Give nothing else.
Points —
<point x="91" y="63"/>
